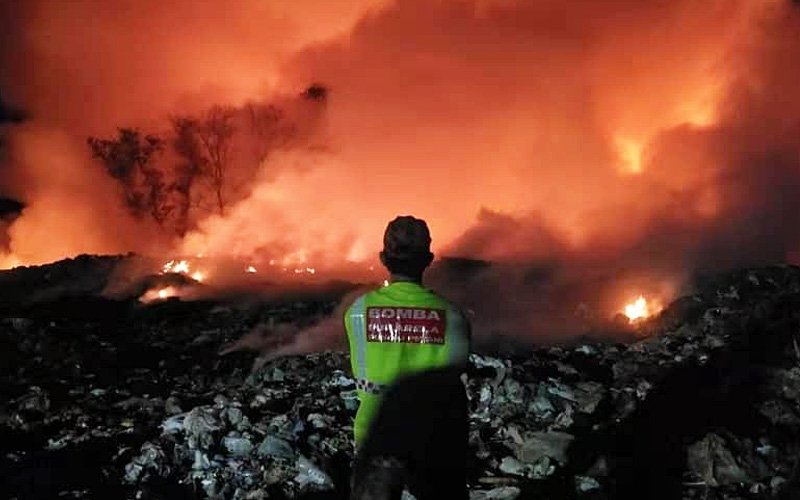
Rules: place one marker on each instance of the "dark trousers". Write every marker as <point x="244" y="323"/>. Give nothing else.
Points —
<point x="417" y="440"/>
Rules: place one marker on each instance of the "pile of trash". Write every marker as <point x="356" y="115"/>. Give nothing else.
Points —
<point x="276" y="437"/>
<point x="705" y="405"/>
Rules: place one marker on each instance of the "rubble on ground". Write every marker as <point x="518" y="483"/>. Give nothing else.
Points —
<point x="705" y="405"/>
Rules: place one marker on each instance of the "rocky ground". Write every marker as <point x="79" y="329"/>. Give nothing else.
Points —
<point x="112" y="399"/>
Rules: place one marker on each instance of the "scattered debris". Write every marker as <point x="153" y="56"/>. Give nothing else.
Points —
<point x="154" y="412"/>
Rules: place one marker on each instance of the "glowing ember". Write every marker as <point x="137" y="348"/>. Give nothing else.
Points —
<point x="250" y="269"/>
<point x="197" y="276"/>
<point x="638" y="309"/>
<point x="159" y="294"/>
<point x="308" y="270"/>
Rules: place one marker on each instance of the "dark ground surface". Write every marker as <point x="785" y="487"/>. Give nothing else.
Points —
<point x="112" y="399"/>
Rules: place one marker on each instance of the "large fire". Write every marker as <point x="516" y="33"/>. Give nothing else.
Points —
<point x="634" y="139"/>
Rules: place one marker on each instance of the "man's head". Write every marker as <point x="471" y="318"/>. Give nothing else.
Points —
<point x="407" y="247"/>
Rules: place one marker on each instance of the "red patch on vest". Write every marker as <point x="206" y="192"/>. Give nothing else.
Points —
<point x="411" y="325"/>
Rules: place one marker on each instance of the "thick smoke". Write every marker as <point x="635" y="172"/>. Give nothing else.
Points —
<point x="592" y="150"/>
<point x="86" y="67"/>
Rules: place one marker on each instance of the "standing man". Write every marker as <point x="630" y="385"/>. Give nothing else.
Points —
<point x="408" y="348"/>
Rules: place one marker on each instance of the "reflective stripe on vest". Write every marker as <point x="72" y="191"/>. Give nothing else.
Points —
<point x="358" y="319"/>
<point x="370" y="387"/>
<point x="396" y="331"/>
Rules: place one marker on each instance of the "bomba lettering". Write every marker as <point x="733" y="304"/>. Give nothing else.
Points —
<point x="415" y="325"/>
<point x="404" y="313"/>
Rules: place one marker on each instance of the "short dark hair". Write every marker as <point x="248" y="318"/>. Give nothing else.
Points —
<point x="407" y="246"/>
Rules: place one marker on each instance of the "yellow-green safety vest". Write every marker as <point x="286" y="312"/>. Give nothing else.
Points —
<point x="397" y="330"/>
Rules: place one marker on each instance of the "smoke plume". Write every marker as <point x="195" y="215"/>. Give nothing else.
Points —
<point x="592" y="151"/>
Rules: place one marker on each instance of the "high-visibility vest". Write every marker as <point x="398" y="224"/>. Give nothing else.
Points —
<point x="397" y="330"/>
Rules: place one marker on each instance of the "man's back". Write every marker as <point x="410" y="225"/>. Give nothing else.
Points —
<point x="398" y="330"/>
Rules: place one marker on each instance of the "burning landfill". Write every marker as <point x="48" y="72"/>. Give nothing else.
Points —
<point x="112" y="398"/>
<point x="611" y="188"/>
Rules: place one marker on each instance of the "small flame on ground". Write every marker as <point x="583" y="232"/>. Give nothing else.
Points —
<point x="176" y="266"/>
<point x="182" y="267"/>
<point x="309" y="270"/>
<point x="159" y="294"/>
<point x="640" y="309"/>
<point x="187" y="268"/>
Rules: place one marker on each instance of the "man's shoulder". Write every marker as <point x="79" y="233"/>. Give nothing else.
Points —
<point x="352" y="298"/>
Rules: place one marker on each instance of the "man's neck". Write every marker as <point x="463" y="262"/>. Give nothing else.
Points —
<point x="395" y="278"/>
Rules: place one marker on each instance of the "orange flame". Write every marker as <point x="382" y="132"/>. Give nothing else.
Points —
<point x="176" y="266"/>
<point x="183" y="267"/>
<point x="640" y="309"/>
